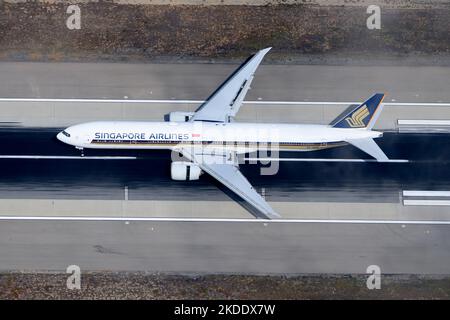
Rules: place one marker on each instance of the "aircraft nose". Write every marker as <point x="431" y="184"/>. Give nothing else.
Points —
<point x="63" y="136"/>
<point x="60" y="137"/>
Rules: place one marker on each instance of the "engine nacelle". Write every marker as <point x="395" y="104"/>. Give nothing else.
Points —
<point x="184" y="171"/>
<point x="180" y="116"/>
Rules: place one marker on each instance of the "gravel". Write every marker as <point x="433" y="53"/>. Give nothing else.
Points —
<point x="35" y="31"/>
<point x="125" y="285"/>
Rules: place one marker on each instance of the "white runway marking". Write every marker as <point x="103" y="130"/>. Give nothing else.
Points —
<point x="169" y="101"/>
<point x="143" y="219"/>
<point x="66" y="157"/>
<point x="426" y="202"/>
<point x="246" y="159"/>
<point x="427" y="194"/>
<point x="325" y="160"/>
<point x="420" y="193"/>
<point x="175" y="101"/>
<point x="424" y="122"/>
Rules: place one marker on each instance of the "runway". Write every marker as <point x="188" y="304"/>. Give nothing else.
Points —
<point x="146" y="173"/>
<point x="197" y="81"/>
<point x="293" y="85"/>
<point x="389" y="197"/>
<point x="224" y="247"/>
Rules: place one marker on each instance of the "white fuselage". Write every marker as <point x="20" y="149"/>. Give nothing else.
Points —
<point x="239" y="137"/>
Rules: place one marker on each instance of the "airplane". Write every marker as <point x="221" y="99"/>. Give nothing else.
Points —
<point x="209" y="140"/>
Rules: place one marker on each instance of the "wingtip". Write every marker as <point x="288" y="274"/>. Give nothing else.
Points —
<point x="272" y="215"/>
<point x="264" y="51"/>
<point x="261" y="53"/>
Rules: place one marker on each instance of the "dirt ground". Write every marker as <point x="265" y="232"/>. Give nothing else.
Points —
<point x="151" y="286"/>
<point x="37" y="32"/>
<point x="358" y="3"/>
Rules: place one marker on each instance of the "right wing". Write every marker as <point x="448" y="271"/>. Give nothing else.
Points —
<point x="224" y="170"/>
<point x="225" y="102"/>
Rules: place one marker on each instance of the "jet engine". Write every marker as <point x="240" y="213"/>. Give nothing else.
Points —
<point x="184" y="171"/>
<point x="180" y="116"/>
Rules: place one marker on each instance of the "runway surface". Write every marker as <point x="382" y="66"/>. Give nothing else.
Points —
<point x="236" y="247"/>
<point x="320" y="85"/>
<point x="148" y="176"/>
<point x="198" y="81"/>
<point x="224" y="247"/>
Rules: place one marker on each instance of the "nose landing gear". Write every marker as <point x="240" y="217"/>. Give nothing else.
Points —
<point x="81" y="150"/>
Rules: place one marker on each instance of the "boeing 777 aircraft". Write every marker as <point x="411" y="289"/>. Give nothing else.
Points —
<point x="209" y="140"/>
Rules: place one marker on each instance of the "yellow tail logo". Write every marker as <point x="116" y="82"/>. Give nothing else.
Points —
<point x="357" y="118"/>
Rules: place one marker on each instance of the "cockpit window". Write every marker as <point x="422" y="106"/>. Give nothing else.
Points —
<point x="66" y="134"/>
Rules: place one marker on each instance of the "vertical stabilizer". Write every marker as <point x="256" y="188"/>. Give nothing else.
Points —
<point x="363" y="116"/>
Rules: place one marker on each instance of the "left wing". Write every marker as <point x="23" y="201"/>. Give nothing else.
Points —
<point x="225" y="102"/>
<point x="223" y="168"/>
<point x="369" y="146"/>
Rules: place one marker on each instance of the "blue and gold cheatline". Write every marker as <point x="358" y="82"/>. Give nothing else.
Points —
<point x="231" y="144"/>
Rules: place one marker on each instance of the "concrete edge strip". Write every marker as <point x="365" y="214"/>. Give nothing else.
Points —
<point x="221" y="220"/>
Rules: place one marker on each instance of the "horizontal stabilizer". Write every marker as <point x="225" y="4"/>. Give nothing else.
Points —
<point x="370" y="147"/>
